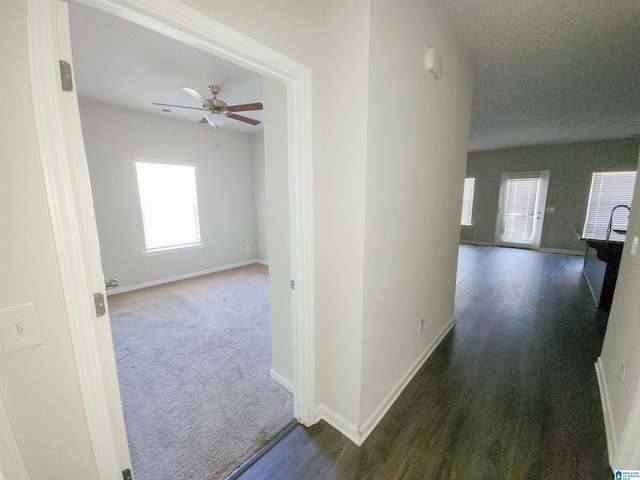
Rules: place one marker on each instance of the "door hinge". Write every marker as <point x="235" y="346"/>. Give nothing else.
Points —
<point x="293" y="285"/>
<point x="65" y="76"/>
<point x="126" y="474"/>
<point x="98" y="300"/>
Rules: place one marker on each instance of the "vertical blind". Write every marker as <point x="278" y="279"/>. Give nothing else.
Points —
<point x="467" y="201"/>
<point x="608" y="189"/>
<point x="520" y="208"/>
<point x="169" y="204"/>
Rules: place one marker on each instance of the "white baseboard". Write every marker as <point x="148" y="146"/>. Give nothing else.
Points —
<point x="395" y="392"/>
<point x="358" y="434"/>
<point x="609" y="426"/>
<point x="153" y="283"/>
<point x="577" y="253"/>
<point x="262" y="262"/>
<point x="478" y="242"/>
<point x="280" y="380"/>
<point x="348" y="429"/>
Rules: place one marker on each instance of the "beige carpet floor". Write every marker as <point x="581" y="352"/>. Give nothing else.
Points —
<point x="193" y="362"/>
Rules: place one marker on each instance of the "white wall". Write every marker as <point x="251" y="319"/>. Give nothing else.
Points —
<point x="260" y="199"/>
<point x="416" y="165"/>
<point x="341" y="96"/>
<point x="275" y="180"/>
<point x="621" y="340"/>
<point x="40" y="384"/>
<point x="225" y="170"/>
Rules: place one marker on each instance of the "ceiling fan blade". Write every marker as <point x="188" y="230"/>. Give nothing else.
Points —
<point x="195" y="94"/>
<point x="177" y="106"/>
<point x="240" y="118"/>
<point x="245" y="107"/>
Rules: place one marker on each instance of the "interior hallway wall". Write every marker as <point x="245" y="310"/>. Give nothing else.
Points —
<point x="415" y="172"/>
<point x="115" y="138"/>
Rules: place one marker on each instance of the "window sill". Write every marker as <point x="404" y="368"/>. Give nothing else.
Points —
<point x="178" y="248"/>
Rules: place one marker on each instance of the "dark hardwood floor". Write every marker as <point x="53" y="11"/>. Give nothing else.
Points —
<point x="511" y="393"/>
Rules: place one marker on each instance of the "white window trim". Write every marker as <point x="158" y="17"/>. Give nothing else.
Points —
<point x="592" y="228"/>
<point x="173" y="249"/>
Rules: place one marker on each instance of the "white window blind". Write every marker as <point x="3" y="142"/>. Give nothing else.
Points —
<point x="520" y="209"/>
<point x="169" y="204"/>
<point x="608" y="189"/>
<point x="467" y="201"/>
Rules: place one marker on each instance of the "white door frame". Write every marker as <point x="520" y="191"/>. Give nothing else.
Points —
<point x="541" y="201"/>
<point x="63" y="189"/>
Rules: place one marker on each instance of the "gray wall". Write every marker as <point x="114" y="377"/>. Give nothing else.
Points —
<point x="570" y="166"/>
<point x="225" y="176"/>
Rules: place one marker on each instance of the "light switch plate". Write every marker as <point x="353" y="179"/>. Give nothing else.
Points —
<point x="634" y="246"/>
<point x="20" y="328"/>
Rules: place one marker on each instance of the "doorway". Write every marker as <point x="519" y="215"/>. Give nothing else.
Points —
<point x="203" y="356"/>
<point x="521" y="209"/>
<point x="75" y="235"/>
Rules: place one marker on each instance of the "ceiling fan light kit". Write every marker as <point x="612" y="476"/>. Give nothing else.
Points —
<point x="214" y="119"/>
<point x="217" y="111"/>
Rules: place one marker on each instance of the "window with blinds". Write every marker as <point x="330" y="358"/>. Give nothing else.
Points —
<point x="519" y="214"/>
<point x="467" y="201"/>
<point x="608" y="190"/>
<point x="169" y="204"/>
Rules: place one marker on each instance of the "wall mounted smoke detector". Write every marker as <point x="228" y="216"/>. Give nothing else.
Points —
<point x="433" y="63"/>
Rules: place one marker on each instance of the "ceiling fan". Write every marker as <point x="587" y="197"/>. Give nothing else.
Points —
<point x="216" y="110"/>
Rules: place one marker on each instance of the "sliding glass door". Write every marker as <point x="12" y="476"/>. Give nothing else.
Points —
<point x="521" y="209"/>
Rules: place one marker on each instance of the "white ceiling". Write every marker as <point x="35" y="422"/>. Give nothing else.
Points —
<point x="118" y="62"/>
<point x="547" y="71"/>
<point x="551" y="71"/>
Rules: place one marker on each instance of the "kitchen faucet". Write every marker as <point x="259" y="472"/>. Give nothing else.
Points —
<point x="611" y="218"/>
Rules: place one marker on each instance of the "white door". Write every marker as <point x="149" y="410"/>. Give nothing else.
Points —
<point x="521" y="209"/>
<point x="84" y="201"/>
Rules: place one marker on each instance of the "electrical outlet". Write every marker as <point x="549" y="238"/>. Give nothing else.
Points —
<point x="420" y="326"/>
<point x="621" y="374"/>
<point x="247" y="248"/>
<point x="634" y="246"/>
